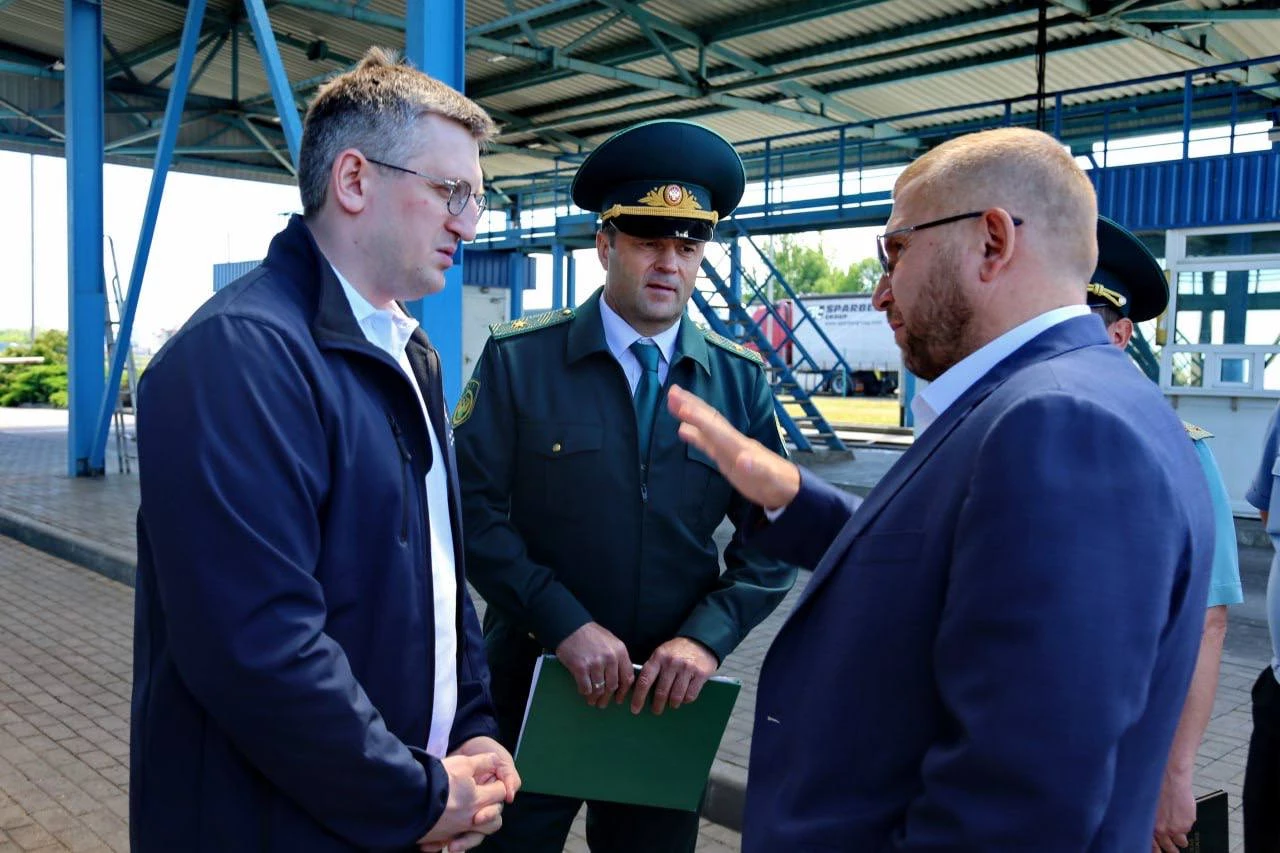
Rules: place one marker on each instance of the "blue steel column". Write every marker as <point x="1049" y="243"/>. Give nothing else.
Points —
<point x="86" y="321"/>
<point x="1237" y="306"/>
<point x="159" y="171"/>
<point x="735" y="281"/>
<point x="516" y="266"/>
<point x="557" y="276"/>
<point x="434" y="40"/>
<point x="571" y="280"/>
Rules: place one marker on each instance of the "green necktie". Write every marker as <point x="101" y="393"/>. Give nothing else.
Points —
<point x="647" y="389"/>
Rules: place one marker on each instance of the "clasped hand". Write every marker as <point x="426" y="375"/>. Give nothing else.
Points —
<point x="601" y="666"/>
<point x="482" y="778"/>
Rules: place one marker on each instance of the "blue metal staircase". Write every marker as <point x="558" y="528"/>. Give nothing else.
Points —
<point x="721" y="302"/>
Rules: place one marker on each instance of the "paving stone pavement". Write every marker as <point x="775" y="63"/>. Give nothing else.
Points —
<point x="65" y="648"/>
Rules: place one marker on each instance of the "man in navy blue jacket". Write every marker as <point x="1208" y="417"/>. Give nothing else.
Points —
<point x="308" y="669"/>
<point x="994" y="648"/>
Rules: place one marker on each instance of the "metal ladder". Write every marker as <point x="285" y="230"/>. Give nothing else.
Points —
<point x="727" y="316"/>
<point x="126" y="437"/>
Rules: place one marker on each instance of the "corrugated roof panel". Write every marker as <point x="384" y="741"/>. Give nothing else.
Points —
<point x="1103" y="64"/>
<point x="891" y="22"/>
<point x="1254" y="38"/>
<point x="541" y="98"/>
<point x="858" y="53"/>
<point x="705" y="13"/>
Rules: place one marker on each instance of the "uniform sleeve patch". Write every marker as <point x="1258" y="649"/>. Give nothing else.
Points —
<point x="466" y="403"/>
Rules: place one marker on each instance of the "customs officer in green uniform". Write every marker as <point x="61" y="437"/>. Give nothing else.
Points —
<point x="588" y="521"/>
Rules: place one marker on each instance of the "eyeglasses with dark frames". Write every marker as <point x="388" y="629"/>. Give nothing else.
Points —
<point x="882" y="254"/>
<point x="459" y="190"/>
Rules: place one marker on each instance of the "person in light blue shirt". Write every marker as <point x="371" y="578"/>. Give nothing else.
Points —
<point x="1262" y="769"/>
<point x="1129" y="287"/>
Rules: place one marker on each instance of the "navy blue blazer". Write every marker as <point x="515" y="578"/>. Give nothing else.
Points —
<point x="994" y="648"/>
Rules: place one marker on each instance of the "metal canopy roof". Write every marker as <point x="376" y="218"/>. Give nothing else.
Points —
<point x="560" y="75"/>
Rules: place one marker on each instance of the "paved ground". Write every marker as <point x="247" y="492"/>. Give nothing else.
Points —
<point x="65" y="650"/>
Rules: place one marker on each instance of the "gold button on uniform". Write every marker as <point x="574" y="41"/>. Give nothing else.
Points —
<point x="555" y="448"/>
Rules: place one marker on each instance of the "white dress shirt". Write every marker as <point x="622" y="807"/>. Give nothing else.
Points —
<point x="619" y="336"/>
<point x="389" y="329"/>
<point x="928" y="405"/>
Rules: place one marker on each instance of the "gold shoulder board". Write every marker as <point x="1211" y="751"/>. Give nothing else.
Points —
<point x="544" y="320"/>
<point x="732" y="346"/>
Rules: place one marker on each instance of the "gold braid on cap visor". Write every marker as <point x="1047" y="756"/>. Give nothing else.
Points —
<point x="1112" y="296"/>
<point x="668" y="212"/>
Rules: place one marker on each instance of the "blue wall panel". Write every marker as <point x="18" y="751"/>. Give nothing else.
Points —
<point x="489" y="268"/>
<point x="224" y="274"/>
<point x="1231" y="189"/>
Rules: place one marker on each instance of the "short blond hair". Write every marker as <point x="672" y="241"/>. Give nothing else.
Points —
<point x="1026" y="172"/>
<point x="375" y="107"/>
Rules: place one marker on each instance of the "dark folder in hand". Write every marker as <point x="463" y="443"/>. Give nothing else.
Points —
<point x="1209" y="833"/>
<point x="572" y="749"/>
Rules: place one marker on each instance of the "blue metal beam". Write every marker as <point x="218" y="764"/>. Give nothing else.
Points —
<point x="160" y="171"/>
<point x="1200" y="16"/>
<point x="9" y="66"/>
<point x="21" y="113"/>
<point x="510" y="25"/>
<point x="86" y="322"/>
<point x="209" y="57"/>
<point x="290" y="123"/>
<point x="114" y="145"/>
<point x="257" y="134"/>
<point x="554" y="59"/>
<point x="158" y="47"/>
<point x="556" y="12"/>
<point x="1155" y="38"/>
<point x="119" y="60"/>
<point x="205" y="40"/>
<point x="435" y="43"/>
<point x="353" y="13"/>
<point x="653" y="24"/>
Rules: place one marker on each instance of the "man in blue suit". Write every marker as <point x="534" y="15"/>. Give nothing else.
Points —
<point x="994" y="648"/>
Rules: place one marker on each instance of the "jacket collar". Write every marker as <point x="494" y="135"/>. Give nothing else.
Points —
<point x="295" y="255"/>
<point x="586" y="335"/>
<point x="1069" y="335"/>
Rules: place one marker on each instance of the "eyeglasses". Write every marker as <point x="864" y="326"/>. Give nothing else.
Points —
<point x="886" y="266"/>
<point x="459" y="190"/>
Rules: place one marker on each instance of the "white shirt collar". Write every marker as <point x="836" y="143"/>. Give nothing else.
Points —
<point x="619" y="335"/>
<point x="389" y="329"/>
<point x="928" y="405"/>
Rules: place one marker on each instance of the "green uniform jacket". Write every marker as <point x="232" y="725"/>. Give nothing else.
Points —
<point x="561" y="526"/>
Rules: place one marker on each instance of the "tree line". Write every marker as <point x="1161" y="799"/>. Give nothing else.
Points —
<point x="34" y="384"/>
<point x="809" y="271"/>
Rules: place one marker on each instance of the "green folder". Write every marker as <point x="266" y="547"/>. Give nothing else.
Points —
<point x="572" y="749"/>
